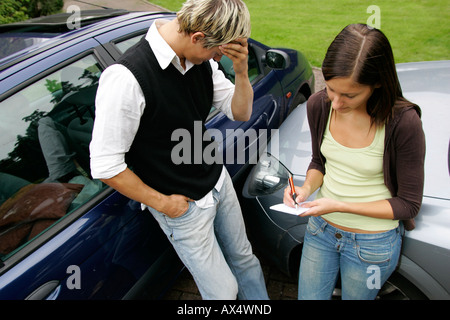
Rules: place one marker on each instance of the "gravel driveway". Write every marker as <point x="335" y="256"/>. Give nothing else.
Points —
<point x="131" y="5"/>
<point x="319" y="81"/>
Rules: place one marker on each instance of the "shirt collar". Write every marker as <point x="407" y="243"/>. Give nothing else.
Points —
<point x="162" y="50"/>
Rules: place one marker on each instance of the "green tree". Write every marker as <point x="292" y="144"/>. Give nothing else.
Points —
<point x="39" y="8"/>
<point x="19" y="10"/>
<point x="13" y="11"/>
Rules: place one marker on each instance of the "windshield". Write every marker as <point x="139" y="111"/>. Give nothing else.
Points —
<point x="11" y="43"/>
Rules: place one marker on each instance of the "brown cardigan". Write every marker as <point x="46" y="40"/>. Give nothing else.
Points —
<point x="403" y="160"/>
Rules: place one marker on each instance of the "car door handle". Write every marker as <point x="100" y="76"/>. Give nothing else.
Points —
<point x="43" y="291"/>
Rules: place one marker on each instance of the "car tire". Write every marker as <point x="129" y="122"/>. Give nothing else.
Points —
<point x="397" y="287"/>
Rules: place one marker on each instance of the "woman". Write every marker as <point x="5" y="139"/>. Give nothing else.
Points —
<point x="368" y="161"/>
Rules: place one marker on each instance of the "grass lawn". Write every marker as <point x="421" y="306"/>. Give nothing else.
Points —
<point x="419" y="30"/>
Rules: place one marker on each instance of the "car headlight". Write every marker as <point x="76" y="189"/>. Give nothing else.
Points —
<point x="268" y="176"/>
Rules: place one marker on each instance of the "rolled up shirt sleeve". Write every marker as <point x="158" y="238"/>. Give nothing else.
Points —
<point x="119" y="105"/>
<point x="223" y="91"/>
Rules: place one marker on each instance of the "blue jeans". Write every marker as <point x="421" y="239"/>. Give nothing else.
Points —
<point x="365" y="261"/>
<point x="213" y="245"/>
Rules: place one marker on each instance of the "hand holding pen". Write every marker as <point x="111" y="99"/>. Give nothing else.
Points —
<point x="294" y="195"/>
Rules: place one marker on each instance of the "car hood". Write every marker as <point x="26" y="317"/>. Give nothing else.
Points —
<point x="428" y="85"/>
<point x="424" y="83"/>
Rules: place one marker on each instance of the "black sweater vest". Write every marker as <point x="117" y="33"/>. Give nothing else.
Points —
<point x="173" y="101"/>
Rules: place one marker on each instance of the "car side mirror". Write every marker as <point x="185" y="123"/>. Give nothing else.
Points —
<point x="277" y="59"/>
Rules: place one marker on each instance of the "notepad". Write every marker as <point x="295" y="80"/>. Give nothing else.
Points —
<point x="284" y="208"/>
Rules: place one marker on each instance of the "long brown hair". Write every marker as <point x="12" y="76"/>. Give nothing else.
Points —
<point x="365" y="54"/>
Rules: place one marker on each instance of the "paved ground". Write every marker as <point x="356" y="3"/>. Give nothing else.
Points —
<point x="132" y="5"/>
<point x="279" y="286"/>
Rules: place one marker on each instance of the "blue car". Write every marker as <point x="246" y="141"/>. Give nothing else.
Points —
<point x="68" y="236"/>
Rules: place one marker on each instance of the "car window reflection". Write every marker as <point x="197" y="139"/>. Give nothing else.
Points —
<point x="44" y="152"/>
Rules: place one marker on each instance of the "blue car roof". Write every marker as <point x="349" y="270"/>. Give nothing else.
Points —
<point x="54" y="31"/>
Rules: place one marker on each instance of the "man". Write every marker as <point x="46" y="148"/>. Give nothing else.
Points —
<point x="168" y="81"/>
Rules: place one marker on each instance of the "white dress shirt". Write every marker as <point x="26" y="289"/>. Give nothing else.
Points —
<point x="120" y="104"/>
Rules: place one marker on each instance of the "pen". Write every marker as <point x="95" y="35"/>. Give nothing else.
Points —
<point x="294" y="195"/>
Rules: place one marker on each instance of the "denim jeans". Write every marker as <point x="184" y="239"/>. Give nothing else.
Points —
<point x="365" y="261"/>
<point x="213" y="245"/>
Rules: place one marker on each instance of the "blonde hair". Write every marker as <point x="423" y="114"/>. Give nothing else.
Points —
<point x="221" y="21"/>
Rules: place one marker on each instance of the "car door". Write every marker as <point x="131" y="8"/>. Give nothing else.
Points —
<point x="65" y="235"/>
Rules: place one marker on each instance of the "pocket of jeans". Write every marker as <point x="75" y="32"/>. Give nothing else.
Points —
<point x="187" y="213"/>
<point x="313" y="226"/>
<point x="374" y="251"/>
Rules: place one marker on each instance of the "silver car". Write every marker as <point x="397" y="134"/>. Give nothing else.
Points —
<point x="423" y="270"/>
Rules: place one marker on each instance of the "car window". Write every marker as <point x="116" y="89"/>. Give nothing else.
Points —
<point x="45" y="133"/>
<point x="128" y="43"/>
<point x="11" y="43"/>
<point x="253" y="66"/>
<point x="226" y="65"/>
<point x="253" y="69"/>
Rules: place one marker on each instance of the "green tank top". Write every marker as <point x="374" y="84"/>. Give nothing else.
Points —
<point x="355" y="175"/>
